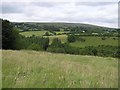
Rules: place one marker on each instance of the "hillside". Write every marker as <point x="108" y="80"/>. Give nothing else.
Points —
<point x="43" y="69"/>
<point x="26" y="26"/>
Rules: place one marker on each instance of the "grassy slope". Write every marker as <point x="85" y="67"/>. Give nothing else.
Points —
<point x="30" y="33"/>
<point x="95" y="41"/>
<point x="42" y="69"/>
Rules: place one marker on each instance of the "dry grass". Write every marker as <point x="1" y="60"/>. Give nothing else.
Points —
<point x="33" y="69"/>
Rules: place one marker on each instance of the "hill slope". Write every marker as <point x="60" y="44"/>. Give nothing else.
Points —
<point x="26" y="26"/>
<point x="42" y="69"/>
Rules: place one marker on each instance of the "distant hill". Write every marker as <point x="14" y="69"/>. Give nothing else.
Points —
<point x="27" y="26"/>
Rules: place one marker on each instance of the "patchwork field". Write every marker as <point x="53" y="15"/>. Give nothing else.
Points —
<point x="89" y="40"/>
<point x="31" y="69"/>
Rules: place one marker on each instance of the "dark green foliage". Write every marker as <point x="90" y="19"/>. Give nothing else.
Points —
<point x="56" y="46"/>
<point x="56" y="43"/>
<point x="53" y="32"/>
<point x="26" y="42"/>
<point x="103" y="38"/>
<point x="81" y="39"/>
<point x="71" y="38"/>
<point x="42" y="42"/>
<point x="102" y="50"/>
<point x="9" y="35"/>
<point x="46" y="34"/>
<point x="34" y="47"/>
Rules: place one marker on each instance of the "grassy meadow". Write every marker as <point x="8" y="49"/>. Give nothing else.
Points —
<point x="95" y="41"/>
<point x="31" y="69"/>
<point x="30" y="33"/>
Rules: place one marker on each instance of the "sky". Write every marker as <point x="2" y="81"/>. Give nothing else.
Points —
<point x="97" y="12"/>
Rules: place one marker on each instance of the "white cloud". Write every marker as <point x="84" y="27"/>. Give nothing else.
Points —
<point x="98" y="13"/>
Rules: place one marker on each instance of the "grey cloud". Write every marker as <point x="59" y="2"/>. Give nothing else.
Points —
<point x="62" y="11"/>
<point x="43" y="4"/>
<point x="48" y="4"/>
<point x="88" y="19"/>
<point x="94" y="3"/>
<point x="12" y="7"/>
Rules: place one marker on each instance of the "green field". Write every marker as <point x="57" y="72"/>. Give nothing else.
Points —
<point x="63" y="38"/>
<point x="31" y="69"/>
<point x="30" y="33"/>
<point x="95" y="41"/>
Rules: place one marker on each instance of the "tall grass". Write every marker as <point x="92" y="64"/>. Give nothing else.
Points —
<point x="0" y="69"/>
<point x="31" y="69"/>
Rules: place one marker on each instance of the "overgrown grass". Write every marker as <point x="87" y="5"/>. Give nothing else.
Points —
<point x="0" y="69"/>
<point x="31" y="69"/>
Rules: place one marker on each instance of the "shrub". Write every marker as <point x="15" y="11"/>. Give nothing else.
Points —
<point x="34" y="47"/>
<point x="71" y="38"/>
<point x="46" y="34"/>
<point x="81" y="39"/>
<point x="103" y="38"/>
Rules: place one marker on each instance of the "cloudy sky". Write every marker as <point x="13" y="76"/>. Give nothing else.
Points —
<point x="95" y="12"/>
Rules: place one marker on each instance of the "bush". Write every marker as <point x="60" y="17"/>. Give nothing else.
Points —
<point x="56" y="50"/>
<point x="56" y="46"/>
<point x="56" y="43"/>
<point x="34" y="47"/>
<point x="81" y="39"/>
<point x="103" y="38"/>
<point x="46" y="34"/>
<point x="71" y="38"/>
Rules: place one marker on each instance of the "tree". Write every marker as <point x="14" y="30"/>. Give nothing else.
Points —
<point x="103" y="38"/>
<point x="71" y="38"/>
<point x="47" y="34"/>
<point x="56" y="46"/>
<point x="34" y="47"/>
<point x="56" y="43"/>
<point x="45" y="43"/>
<point x="9" y="35"/>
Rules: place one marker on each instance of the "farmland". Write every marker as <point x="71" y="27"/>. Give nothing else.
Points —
<point x="89" y="40"/>
<point x="95" y="41"/>
<point x="30" y="33"/>
<point x="31" y="69"/>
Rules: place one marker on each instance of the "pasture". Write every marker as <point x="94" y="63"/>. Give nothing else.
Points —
<point x="31" y="69"/>
<point x="95" y="41"/>
<point x="30" y="33"/>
